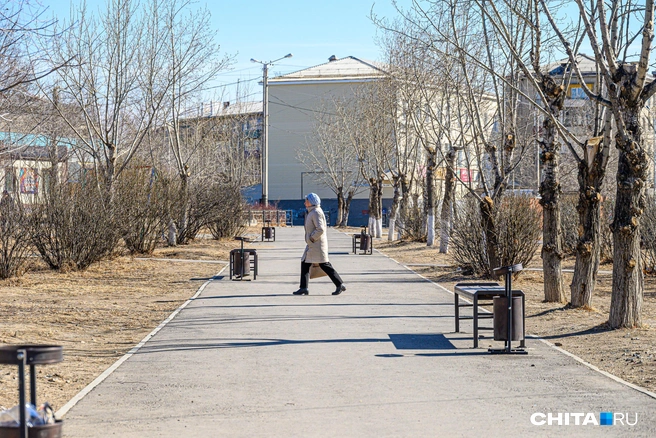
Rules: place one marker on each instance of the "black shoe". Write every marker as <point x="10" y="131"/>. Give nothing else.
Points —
<point x="302" y="292"/>
<point x="341" y="288"/>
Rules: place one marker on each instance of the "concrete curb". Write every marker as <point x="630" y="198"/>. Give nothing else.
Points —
<point x="183" y="260"/>
<point x="592" y="367"/>
<point x="86" y="390"/>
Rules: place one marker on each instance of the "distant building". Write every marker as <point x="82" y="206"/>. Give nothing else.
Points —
<point x="24" y="161"/>
<point x="233" y="130"/>
<point x="294" y="99"/>
<point x="578" y="117"/>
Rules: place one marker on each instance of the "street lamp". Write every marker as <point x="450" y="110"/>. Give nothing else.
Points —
<point x="265" y="127"/>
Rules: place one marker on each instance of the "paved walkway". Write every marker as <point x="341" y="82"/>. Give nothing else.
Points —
<point x="248" y="359"/>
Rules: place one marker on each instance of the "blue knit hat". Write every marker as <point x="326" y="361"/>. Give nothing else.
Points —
<point x="313" y="198"/>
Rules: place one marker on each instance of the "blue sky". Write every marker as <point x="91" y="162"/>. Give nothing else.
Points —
<point x="267" y="30"/>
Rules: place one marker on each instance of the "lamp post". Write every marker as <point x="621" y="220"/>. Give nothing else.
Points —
<point x="265" y="127"/>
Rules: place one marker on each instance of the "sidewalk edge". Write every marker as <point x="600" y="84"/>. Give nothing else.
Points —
<point x="565" y="352"/>
<point x="87" y="389"/>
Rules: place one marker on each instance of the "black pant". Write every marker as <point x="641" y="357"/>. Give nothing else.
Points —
<point x="325" y="267"/>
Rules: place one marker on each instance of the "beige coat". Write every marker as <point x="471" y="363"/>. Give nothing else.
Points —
<point x="316" y="250"/>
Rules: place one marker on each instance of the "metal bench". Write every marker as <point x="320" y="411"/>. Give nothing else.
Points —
<point x="477" y="292"/>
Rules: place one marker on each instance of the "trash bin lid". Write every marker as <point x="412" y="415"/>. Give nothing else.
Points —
<point x="508" y="269"/>
<point x="36" y="354"/>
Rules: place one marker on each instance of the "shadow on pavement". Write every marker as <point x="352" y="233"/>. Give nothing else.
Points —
<point x="421" y="342"/>
<point x="186" y="345"/>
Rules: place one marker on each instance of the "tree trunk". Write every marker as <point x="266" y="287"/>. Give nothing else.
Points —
<point x="347" y="206"/>
<point x="550" y="190"/>
<point x="587" y="248"/>
<point x="406" y="200"/>
<point x="590" y="176"/>
<point x="373" y="188"/>
<point x="183" y="219"/>
<point x="552" y="253"/>
<point x="628" y="282"/>
<point x="340" y="207"/>
<point x="489" y="228"/>
<point x="379" y="209"/>
<point x="430" y="198"/>
<point x="446" y="217"/>
<point x="394" y="212"/>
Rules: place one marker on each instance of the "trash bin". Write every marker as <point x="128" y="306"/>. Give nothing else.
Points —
<point x="365" y="242"/>
<point x="268" y="233"/>
<point x="501" y="319"/>
<point x="27" y="357"/>
<point x="246" y="262"/>
<point x="44" y="431"/>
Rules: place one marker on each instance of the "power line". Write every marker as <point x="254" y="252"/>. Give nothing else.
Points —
<point x="300" y="108"/>
<point x="231" y="83"/>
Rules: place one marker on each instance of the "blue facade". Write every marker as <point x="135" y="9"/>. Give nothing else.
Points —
<point x="358" y="215"/>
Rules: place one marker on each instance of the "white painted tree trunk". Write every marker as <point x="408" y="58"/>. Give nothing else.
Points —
<point x="372" y="226"/>
<point x="172" y="233"/>
<point x="390" y="234"/>
<point x="379" y="228"/>
<point x="445" y="234"/>
<point x="430" y="239"/>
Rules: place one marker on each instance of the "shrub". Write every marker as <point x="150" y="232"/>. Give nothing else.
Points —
<point x="413" y="223"/>
<point x="142" y="199"/>
<point x="74" y="226"/>
<point x="228" y="217"/>
<point x="648" y="236"/>
<point x="518" y="227"/>
<point x="14" y="238"/>
<point x="519" y="224"/>
<point x="467" y="238"/>
<point x="569" y="223"/>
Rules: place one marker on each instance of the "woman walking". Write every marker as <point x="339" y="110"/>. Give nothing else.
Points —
<point x="316" y="250"/>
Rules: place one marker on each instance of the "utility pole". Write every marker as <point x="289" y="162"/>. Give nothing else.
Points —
<point x="265" y="127"/>
<point x="265" y="136"/>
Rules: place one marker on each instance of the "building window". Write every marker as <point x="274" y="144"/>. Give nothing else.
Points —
<point x="10" y="180"/>
<point x="29" y="181"/>
<point x="578" y="93"/>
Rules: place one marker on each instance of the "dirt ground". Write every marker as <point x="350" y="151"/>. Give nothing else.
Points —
<point x="99" y="314"/>
<point x="628" y="354"/>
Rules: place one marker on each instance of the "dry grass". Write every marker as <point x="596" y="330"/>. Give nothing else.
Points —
<point x="97" y="315"/>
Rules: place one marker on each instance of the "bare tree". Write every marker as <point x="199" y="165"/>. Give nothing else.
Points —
<point x="483" y="119"/>
<point x="367" y="114"/>
<point x="375" y="143"/>
<point x="22" y="58"/>
<point x="424" y="92"/>
<point x="193" y="60"/>
<point x="407" y="155"/>
<point x="25" y="39"/>
<point x="612" y="31"/>
<point x="117" y="86"/>
<point x="330" y="153"/>
<point x="551" y="90"/>
<point x="505" y="18"/>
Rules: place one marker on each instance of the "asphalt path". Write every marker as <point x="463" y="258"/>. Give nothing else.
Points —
<point x="249" y="359"/>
